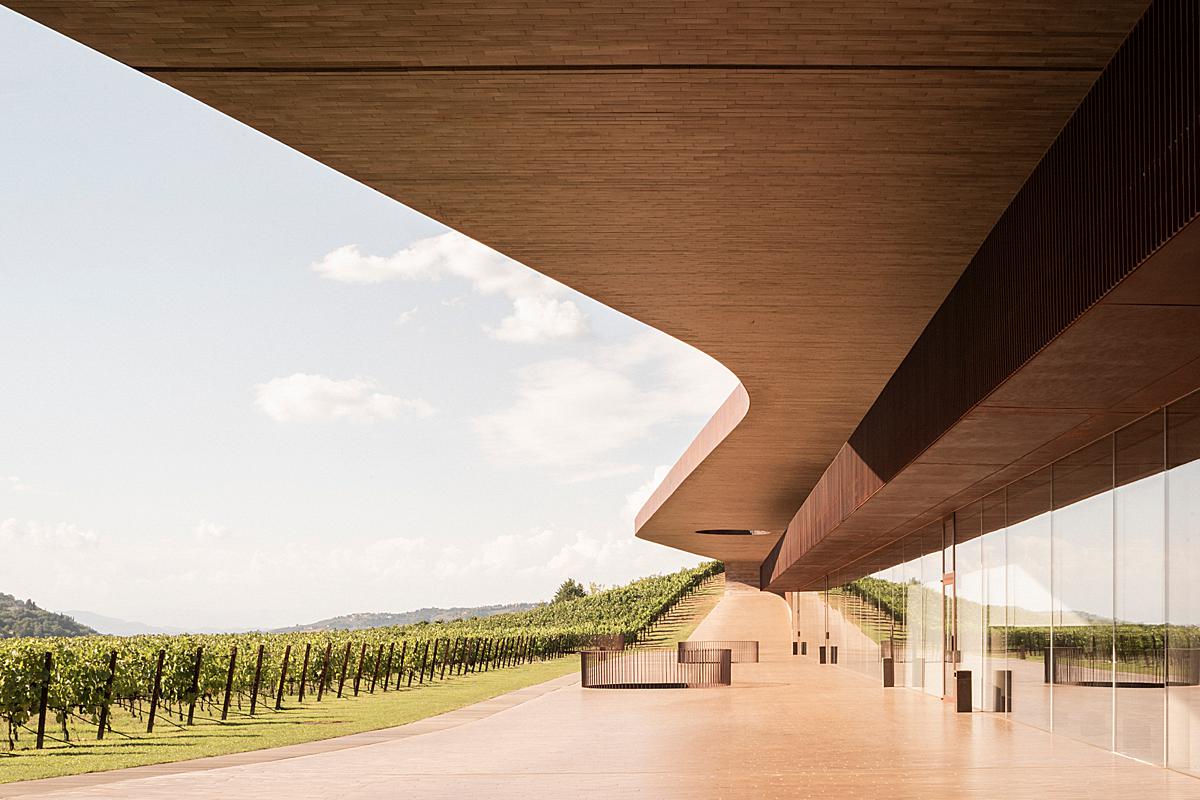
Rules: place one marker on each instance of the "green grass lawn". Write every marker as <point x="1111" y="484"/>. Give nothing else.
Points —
<point x="687" y="615"/>
<point x="130" y="746"/>
<point x="269" y="728"/>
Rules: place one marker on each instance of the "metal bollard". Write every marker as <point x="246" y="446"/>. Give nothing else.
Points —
<point x="822" y="649"/>
<point x="889" y="672"/>
<point x="804" y="648"/>
<point x="833" y="654"/>
<point x="962" y="680"/>
<point x="1002" y="691"/>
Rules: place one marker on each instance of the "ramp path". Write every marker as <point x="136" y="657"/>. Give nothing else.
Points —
<point x="787" y="728"/>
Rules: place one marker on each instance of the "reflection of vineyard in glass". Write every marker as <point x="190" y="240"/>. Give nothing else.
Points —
<point x="1084" y="648"/>
<point x="201" y="674"/>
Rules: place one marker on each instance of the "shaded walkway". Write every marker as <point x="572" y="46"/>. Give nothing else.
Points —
<point x="787" y="728"/>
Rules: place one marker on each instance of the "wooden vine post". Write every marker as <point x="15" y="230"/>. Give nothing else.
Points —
<point x="156" y="691"/>
<point x="229" y="682"/>
<point x="254" y="686"/>
<point x="44" y="698"/>
<point x="424" y="658"/>
<point x="345" y="663"/>
<point x="375" y="667"/>
<point x="321" y="684"/>
<point x="449" y="657"/>
<point x="362" y="656"/>
<point x="437" y="643"/>
<point x="194" y="692"/>
<point x="304" y="670"/>
<point x="387" y="671"/>
<point x="287" y="655"/>
<point x="108" y="685"/>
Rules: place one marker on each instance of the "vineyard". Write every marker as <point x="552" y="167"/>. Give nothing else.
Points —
<point x="57" y="688"/>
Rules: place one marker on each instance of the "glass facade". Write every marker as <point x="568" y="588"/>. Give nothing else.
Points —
<point x="1071" y="596"/>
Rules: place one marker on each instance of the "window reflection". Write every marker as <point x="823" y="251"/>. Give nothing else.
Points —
<point x="933" y="652"/>
<point x="1139" y="584"/>
<point x="1029" y="598"/>
<point x="969" y="596"/>
<point x="997" y="677"/>
<point x="1081" y="666"/>
<point x="1183" y="584"/>
<point x="1075" y="598"/>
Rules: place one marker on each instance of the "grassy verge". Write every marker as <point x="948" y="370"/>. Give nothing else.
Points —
<point x="269" y="728"/>
<point x="687" y="615"/>
<point x="130" y="746"/>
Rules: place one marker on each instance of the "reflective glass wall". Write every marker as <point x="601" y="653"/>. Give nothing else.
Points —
<point x="1072" y="596"/>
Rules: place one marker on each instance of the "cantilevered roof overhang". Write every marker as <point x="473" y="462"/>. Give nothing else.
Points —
<point x="792" y="188"/>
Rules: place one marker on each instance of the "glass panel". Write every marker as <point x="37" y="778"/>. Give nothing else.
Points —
<point x="994" y="551"/>
<point x="829" y="621"/>
<point x="1183" y="584"/>
<point x="969" y="597"/>
<point x="879" y="624"/>
<point x="914" y="580"/>
<point x="888" y="587"/>
<point x="1028" y="513"/>
<point x="862" y="625"/>
<point x="1140" y="586"/>
<point x="811" y="610"/>
<point x="949" y="622"/>
<point x="931" y="579"/>
<point x="1082" y="625"/>
<point x="910" y="578"/>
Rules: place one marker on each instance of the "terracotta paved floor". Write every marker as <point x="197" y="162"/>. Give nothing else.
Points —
<point x="788" y="728"/>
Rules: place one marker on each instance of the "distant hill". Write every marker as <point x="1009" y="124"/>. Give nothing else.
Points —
<point x="354" y="622"/>
<point x="122" y="627"/>
<point x="24" y="618"/>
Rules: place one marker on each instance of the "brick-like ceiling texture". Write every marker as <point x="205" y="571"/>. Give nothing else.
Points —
<point x="792" y="188"/>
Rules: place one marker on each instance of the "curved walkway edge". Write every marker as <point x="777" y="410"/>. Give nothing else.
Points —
<point x="440" y="722"/>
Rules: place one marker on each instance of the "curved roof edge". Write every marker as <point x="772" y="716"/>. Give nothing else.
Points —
<point x="722" y="423"/>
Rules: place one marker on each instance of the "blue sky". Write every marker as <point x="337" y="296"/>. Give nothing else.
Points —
<point x="241" y="389"/>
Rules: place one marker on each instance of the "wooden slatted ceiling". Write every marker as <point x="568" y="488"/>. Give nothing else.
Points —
<point x="792" y="188"/>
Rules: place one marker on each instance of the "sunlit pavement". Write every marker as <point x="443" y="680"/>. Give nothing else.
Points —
<point x="787" y="728"/>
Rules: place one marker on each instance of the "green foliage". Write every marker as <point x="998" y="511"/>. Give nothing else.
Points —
<point x="80" y="671"/>
<point x="24" y="618"/>
<point x="890" y="597"/>
<point x="570" y="589"/>
<point x="361" y="621"/>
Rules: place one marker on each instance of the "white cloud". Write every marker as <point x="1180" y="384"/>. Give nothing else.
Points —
<point x="313" y="398"/>
<point x="213" y="579"/>
<point x="602" y="472"/>
<point x="543" y="557"/>
<point x="579" y="413"/>
<point x="540" y="319"/>
<point x="348" y="264"/>
<point x="638" y="497"/>
<point x="536" y="315"/>
<point x="29" y="534"/>
<point x="16" y="485"/>
<point x="407" y="316"/>
<point x="207" y="531"/>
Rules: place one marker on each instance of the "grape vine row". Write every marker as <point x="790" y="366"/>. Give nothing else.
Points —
<point x="214" y="675"/>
